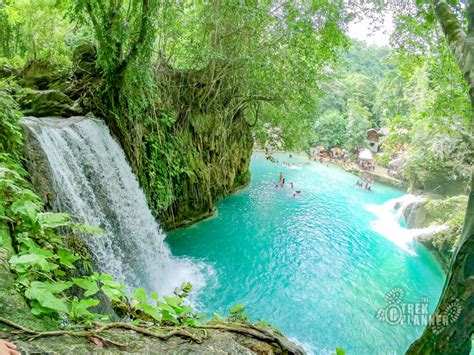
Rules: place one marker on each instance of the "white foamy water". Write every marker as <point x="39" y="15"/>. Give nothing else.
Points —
<point x="94" y="182"/>
<point x="390" y="219"/>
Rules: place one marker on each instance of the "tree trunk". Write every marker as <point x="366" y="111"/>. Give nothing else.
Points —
<point x="451" y="327"/>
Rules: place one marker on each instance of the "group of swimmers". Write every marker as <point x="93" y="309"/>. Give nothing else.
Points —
<point x="367" y="185"/>
<point x="282" y="185"/>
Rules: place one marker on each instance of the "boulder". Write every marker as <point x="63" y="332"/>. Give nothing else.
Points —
<point x="44" y="103"/>
<point x="84" y="59"/>
<point x="42" y="76"/>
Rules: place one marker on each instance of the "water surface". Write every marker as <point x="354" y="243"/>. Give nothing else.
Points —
<point x="313" y="266"/>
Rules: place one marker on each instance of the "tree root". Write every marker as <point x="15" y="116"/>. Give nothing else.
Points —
<point x="250" y="330"/>
<point x="254" y="332"/>
<point x="100" y="327"/>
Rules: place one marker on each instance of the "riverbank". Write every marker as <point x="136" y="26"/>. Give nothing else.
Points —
<point x="380" y="174"/>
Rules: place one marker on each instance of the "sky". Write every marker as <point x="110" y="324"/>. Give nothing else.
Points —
<point x="362" y="29"/>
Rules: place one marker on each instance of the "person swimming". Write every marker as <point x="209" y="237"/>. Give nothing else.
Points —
<point x="283" y="182"/>
<point x="281" y="176"/>
<point x="291" y="184"/>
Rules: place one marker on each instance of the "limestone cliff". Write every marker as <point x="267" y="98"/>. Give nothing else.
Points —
<point x="436" y="210"/>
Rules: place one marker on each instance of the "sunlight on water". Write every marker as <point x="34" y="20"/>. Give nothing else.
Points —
<point x="317" y="266"/>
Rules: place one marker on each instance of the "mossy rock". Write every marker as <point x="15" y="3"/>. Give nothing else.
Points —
<point x="84" y="59"/>
<point x="441" y="211"/>
<point x="438" y="210"/>
<point x="46" y="103"/>
<point x="12" y="303"/>
<point x="42" y="75"/>
<point x="214" y="341"/>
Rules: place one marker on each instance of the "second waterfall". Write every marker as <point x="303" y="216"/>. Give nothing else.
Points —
<point x="93" y="181"/>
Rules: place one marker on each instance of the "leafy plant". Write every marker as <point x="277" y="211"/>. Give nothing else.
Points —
<point x="168" y="311"/>
<point x="11" y="139"/>
<point x="237" y="314"/>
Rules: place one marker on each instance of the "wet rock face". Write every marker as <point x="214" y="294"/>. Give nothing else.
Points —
<point x="37" y="166"/>
<point x="413" y="214"/>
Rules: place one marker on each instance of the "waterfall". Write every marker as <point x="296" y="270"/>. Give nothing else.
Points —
<point x="93" y="181"/>
<point x="392" y="217"/>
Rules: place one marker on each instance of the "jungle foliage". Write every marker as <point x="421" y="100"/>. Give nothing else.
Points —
<point x="37" y="243"/>
<point x="421" y="98"/>
<point x="186" y="87"/>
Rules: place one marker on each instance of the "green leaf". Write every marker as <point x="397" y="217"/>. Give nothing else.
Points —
<point x="173" y="301"/>
<point x="53" y="220"/>
<point x="187" y="287"/>
<point x="67" y="258"/>
<point x="113" y="293"/>
<point x="167" y="317"/>
<point x="25" y="208"/>
<point x="25" y="262"/>
<point x="87" y="229"/>
<point x="166" y="307"/>
<point x="238" y="308"/>
<point x="151" y="311"/>
<point x="79" y="310"/>
<point x="84" y="304"/>
<point x="106" y="277"/>
<point x="88" y="285"/>
<point x="139" y="295"/>
<point x="43" y="292"/>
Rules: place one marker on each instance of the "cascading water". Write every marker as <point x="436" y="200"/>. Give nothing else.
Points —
<point x="405" y="207"/>
<point x="394" y="215"/>
<point x="93" y="181"/>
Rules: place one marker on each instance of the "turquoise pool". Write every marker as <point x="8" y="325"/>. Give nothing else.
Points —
<point x="313" y="266"/>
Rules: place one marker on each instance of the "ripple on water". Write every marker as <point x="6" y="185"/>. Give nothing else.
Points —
<point x="315" y="266"/>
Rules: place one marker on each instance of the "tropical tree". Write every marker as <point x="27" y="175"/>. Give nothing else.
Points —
<point x="455" y="337"/>
<point x="330" y="129"/>
<point x="357" y="124"/>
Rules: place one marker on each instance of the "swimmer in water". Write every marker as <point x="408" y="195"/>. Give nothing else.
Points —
<point x="281" y="176"/>
<point x="291" y="184"/>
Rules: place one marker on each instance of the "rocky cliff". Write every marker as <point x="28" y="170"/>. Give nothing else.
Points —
<point x="185" y="157"/>
<point x="437" y="210"/>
